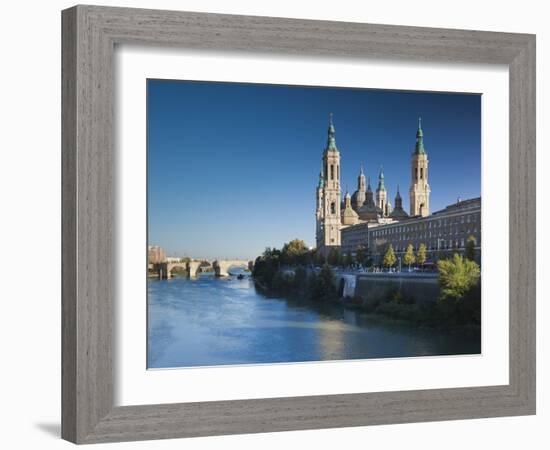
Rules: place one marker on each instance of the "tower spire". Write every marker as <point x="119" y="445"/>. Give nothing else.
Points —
<point x="381" y="186"/>
<point x="419" y="147"/>
<point x="331" y="141"/>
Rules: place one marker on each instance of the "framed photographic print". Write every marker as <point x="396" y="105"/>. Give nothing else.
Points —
<point x="268" y="222"/>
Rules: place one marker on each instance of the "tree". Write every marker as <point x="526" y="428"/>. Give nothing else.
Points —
<point x="323" y="288"/>
<point x="470" y="251"/>
<point x="457" y="276"/>
<point x="361" y="254"/>
<point x="409" y="258"/>
<point x="341" y="259"/>
<point x="348" y="261"/>
<point x="294" y="252"/>
<point x="319" y="258"/>
<point x="333" y="257"/>
<point x="389" y="257"/>
<point x="300" y="278"/>
<point x="421" y="255"/>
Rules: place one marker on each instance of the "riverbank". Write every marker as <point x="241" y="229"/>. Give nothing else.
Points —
<point x="413" y="300"/>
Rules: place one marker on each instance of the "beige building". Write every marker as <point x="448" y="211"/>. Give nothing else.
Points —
<point x="443" y="232"/>
<point x="155" y="254"/>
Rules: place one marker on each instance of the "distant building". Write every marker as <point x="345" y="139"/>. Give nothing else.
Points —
<point x="155" y="254"/>
<point x="173" y="259"/>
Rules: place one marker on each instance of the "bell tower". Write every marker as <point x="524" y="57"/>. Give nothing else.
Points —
<point x="419" y="192"/>
<point x="381" y="194"/>
<point x="319" y="212"/>
<point x="331" y="193"/>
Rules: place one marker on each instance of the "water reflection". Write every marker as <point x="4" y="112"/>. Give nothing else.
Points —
<point x="208" y="321"/>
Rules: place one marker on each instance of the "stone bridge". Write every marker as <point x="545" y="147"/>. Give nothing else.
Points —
<point x="221" y="267"/>
<point x="192" y="268"/>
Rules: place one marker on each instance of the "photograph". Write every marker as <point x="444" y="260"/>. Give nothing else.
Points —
<point x="293" y="224"/>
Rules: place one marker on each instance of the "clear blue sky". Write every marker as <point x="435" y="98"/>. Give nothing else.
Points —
<point x="232" y="168"/>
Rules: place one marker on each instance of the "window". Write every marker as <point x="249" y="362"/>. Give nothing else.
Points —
<point x="332" y="172"/>
<point x="421" y="172"/>
<point x="333" y="207"/>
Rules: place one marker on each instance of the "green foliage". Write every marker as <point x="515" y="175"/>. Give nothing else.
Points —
<point x="322" y="285"/>
<point x="294" y="252"/>
<point x="389" y="257"/>
<point x="348" y="260"/>
<point x="470" y="251"/>
<point x="421" y="255"/>
<point x="319" y="258"/>
<point x="457" y="276"/>
<point x="361" y="254"/>
<point x="333" y="257"/>
<point x="179" y="271"/>
<point x="299" y="281"/>
<point x="278" y="281"/>
<point x="409" y="258"/>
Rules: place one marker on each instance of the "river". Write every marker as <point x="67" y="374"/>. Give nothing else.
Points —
<point x="208" y="321"/>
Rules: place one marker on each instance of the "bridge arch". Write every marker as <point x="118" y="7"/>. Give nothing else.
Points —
<point x="191" y="268"/>
<point x="221" y="267"/>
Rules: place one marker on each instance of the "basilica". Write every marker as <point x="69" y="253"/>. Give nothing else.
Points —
<point x="365" y="205"/>
<point x="367" y="220"/>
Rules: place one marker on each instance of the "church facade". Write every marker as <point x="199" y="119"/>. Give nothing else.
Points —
<point x="354" y="221"/>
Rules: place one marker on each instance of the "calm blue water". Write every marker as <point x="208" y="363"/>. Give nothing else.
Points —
<point x="211" y="321"/>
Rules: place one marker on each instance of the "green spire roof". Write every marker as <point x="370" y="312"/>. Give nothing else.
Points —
<point x="331" y="142"/>
<point x="419" y="147"/>
<point x="381" y="186"/>
<point x="321" y="179"/>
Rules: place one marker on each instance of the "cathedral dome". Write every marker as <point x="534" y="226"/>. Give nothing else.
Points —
<point x="349" y="216"/>
<point x="369" y="212"/>
<point x="399" y="214"/>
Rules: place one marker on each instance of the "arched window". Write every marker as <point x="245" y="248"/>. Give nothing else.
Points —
<point x="333" y="208"/>
<point x="332" y="171"/>
<point x="421" y="172"/>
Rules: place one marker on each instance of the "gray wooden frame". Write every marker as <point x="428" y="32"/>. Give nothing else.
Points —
<point x="89" y="36"/>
